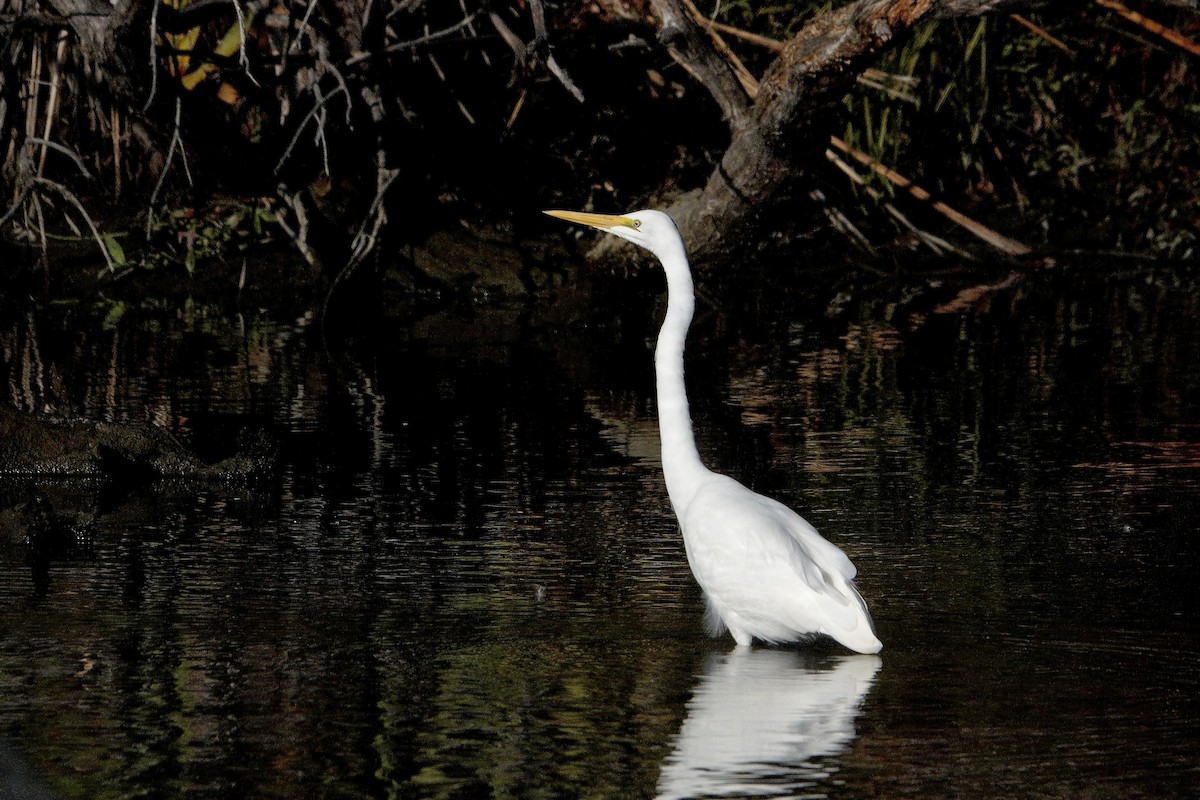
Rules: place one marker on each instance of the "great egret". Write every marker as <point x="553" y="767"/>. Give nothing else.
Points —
<point x="766" y="573"/>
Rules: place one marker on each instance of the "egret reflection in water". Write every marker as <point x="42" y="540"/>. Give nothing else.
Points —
<point x="763" y="723"/>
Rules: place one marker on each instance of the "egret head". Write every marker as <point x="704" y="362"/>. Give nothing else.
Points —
<point x="652" y="230"/>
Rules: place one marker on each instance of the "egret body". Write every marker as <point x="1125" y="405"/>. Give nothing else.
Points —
<point x="766" y="573"/>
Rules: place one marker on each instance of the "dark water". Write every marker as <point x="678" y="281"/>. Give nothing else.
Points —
<point x="465" y="581"/>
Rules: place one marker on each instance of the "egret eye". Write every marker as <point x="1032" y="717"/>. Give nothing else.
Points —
<point x="637" y="223"/>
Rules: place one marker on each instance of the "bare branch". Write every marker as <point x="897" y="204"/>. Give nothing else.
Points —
<point x="772" y="142"/>
<point x="1153" y="26"/>
<point x="176" y="144"/>
<point x="153" y="57"/>
<point x="17" y="204"/>
<point x="66" y="151"/>
<point x="997" y="240"/>
<point x="317" y="109"/>
<point x="412" y="44"/>
<point x="70" y="197"/>
<point x="693" y="48"/>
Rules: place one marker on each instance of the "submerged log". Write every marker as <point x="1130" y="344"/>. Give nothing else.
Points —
<point x="53" y="446"/>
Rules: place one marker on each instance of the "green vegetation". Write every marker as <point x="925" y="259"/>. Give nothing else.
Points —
<point x="1091" y="146"/>
<point x="1073" y="129"/>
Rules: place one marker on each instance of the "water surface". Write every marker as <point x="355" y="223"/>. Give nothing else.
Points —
<point x="464" y="579"/>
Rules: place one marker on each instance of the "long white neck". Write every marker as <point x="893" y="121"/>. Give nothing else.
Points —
<point x="681" y="463"/>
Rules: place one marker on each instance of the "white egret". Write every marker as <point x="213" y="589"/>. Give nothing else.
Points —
<point x="766" y="573"/>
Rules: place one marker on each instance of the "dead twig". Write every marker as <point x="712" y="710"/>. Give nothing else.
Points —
<point x="18" y="203"/>
<point x="1042" y="32"/>
<point x="997" y="240"/>
<point x="401" y="7"/>
<point x="1157" y="28"/>
<point x="70" y="197"/>
<point x="841" y="222"/>
<point x="46" y="144"/>
<point x="766" y="42"/>
<point x="153" y="56"/>
<point x="176" y="144"/>
<point x="299" y="236"/>
<point x="935" y="243"/>
<point x="365" y="239"/>
<point x="52" y="99"/>
<point x="744" y="76"/>
<point x="317" y="110"/>
<point x="412" y="44"/>
<point x="27" y="195"/>
<point x="542" y="47"/>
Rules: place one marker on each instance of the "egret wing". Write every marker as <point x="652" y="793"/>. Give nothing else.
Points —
<point x="760" y="560"/>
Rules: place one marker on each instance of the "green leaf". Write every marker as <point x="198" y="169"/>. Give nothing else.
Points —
<point x="115" y="312"/>
<point x="115" y="251"/>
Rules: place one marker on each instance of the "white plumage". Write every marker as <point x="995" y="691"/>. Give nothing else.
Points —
<point x="766" y="573"/>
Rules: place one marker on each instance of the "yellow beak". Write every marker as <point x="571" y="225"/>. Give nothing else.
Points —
<point x="604" y="222"/>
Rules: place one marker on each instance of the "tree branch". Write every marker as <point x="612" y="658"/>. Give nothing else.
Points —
<point x="772" y="142"/>
<point x="693" y="48"/>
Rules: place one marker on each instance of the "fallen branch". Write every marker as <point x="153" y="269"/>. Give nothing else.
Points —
<point x="997" y="240"/>
<point x="1041" y="32"/>
<point x="749" y="82"/>
<point x="935" y="243"/>
<point x="1157" y="28"/>
<point x="774" y="142"/>
<point x="691" y="45"/>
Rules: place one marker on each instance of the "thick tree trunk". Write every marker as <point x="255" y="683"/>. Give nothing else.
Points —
<point x="100" y="29"/>
<point x="773" y="135"/>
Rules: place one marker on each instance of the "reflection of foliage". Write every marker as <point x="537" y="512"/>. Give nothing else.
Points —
<point x="368" y="636"/>
<point x="535" y="730"/>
